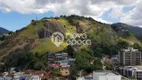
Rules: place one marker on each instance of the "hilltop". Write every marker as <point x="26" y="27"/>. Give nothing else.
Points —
<point x="3" y="30"/>
<point x="136" y="30"/>
<point x="36" y="36"/>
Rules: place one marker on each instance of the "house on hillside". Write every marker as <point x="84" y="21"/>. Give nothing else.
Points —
<point x="65" y="71"/>
<point x="61" y="56"/>
<point x="59" y="60"/>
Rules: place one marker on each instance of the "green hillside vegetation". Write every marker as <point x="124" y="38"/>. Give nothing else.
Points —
<point x="105" y="40"/>
<point x="26" y="61"/>
<point x="46" y="45"/>
<point x="68" y="27"/>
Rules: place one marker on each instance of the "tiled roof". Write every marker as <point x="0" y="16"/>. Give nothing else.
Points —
<point x="28" y="71"/>
<point x="62" y="78"/>
<point x="10" y="75"/>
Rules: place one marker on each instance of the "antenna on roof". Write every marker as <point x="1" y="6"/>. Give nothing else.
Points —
<point x="36" y="18"/>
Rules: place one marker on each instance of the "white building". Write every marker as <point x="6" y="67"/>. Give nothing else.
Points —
<point x="88" y="77"/>
<point x="106" y="75"/>
<point x="131" y="72"/>
<point x="35" y="77"/>
<point x="80" y="78"/>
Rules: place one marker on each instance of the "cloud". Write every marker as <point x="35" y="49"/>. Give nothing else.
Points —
<point x="21" y="6"/>
<point x="94" y="8"/>
<point x="118" y="2"/>
<point x="116" y="12"/>
<point x="134" y="17"/>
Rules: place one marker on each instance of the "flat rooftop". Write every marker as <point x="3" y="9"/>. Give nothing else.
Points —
<point x="138" y="68"/>
<point x="107" y="73"/>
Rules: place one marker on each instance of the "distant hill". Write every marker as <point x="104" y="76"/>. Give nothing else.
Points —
<point x="36" y="36"/>
<point x="136" y="30"/>
<point x="2" y="30"/>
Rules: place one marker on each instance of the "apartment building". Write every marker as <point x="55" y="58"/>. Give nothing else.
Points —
<point x="130" y="56"/>
<point x="132" y="72"/>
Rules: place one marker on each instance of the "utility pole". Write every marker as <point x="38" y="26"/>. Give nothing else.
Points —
<point x="36" y="27"/>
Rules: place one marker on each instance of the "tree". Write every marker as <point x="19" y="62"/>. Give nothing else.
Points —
<point x="102" y="49"/>
<point x="127" y="34"/>
<point x="122" y="44"/>
<point x="26" y="60"/>
<point x="137" y="46"/>
<point x="56" y="18"/>
<point x="3" y="37"/>
<point x="89" y="69"/>
<point x="97" y="65"/>
<point x="11" y="32"/>
<point x="57" y="72"/>
<point x="74" y="71"/>
<point x="38" y="65"/>
<point x="38" y="60"/>
<point x="70" y="51"/>
<point x="98" y="52"/>
<point x="82" y="59"/>
<point x="82" y="63"/>
<point x="134" y="77"/>
<point x="108" y="67"/>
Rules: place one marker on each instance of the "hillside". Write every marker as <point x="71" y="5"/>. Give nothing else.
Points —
<point x="36" y="36"/>
<point x="2" y="30"/>
<point x="134" y="29"/>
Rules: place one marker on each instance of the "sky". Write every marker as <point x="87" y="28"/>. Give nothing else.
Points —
<point x="16" y="14"/>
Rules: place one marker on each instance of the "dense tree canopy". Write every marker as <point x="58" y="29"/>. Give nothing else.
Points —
<point x="84" y="58"/>
<point x="26" y="61"/>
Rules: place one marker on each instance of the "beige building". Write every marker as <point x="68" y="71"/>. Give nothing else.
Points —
<point x="65" y="71"/>
<point x="130" y="56"/>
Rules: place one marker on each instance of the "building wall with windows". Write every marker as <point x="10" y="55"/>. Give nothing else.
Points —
<point x="132" y="72"/>
<point x="130" y="56"/>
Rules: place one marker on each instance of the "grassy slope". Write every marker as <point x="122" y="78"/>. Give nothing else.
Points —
<point x="44" y="44"/>
<point x="31" y="30"/>
<point x="69" y="28"/>
<point x="98" y="32"/>
<point x="47" y="45"/>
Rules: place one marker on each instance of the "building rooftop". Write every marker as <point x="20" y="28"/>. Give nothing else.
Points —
<point x="105" y="73"/>
<point x="137" y="68"/>
<point x="130" y="49"/>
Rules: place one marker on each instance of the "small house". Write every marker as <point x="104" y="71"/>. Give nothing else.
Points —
<point x="65" y="71"/>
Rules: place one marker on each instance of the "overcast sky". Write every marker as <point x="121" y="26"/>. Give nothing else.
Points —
<point x="15" y="14"/>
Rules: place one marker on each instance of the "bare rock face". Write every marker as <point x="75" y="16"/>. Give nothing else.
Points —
<point x="50" y="27"/>
<point x="79" y="28"/>
<point x="44" y="33"/>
